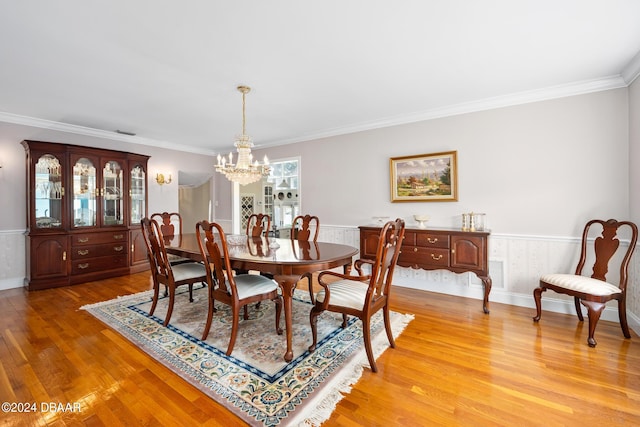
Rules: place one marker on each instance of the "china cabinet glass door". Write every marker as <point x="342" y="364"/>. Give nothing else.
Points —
<point x="48" y="192"/>
<point x="138" y="194"/>
<point x="112" y="197"/>
<point x="84" y="193"/>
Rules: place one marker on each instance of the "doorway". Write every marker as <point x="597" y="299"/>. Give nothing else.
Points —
<point x="194" y="202"/>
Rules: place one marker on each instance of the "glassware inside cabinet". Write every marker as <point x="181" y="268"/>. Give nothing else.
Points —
<point x="138" y="193"/>
<point x="84" y="193"/>
<point x="48" y="192"/>
<point x="113" y="202"/>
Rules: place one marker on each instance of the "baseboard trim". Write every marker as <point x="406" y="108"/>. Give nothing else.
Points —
<point x="555" y="305"/>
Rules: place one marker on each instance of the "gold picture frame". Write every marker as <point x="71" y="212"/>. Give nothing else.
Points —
<point x="424" y="177"/>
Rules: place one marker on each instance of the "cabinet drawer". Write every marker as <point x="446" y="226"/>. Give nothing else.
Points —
<point x="432" y="240"/>
<point x="431" y="257"/>
<point x="99" y="238"/>
<point x="94" y="251"/>
<point x="98" y="264"/>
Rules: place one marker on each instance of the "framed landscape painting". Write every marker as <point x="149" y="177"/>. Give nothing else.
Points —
<point x="424" y="178"/>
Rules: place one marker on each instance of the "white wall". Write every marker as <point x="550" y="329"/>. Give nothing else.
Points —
<point x="634" y="150"/>
<point x="537" y="169"/>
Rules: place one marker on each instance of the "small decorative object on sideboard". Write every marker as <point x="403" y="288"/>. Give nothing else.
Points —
<point x="421" y="219"/>
<point x="473" y="221"/>
<point x="380" y="220"/>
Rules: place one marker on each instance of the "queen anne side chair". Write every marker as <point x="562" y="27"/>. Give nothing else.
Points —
<point x="163" y="272"/>
<point x="595" y="291"/>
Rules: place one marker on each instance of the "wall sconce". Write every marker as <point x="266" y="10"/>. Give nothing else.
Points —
<point x="160" y="179"/>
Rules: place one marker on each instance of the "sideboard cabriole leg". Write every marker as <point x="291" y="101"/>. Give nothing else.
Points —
<point x="486" y="281"/>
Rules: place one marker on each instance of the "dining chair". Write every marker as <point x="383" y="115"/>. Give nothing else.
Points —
<point x="363" y="295"/>
<point x="234" y="290"/>
<point x="303" y="225"/>
<point x="171" y="227"/>
<point x="163" y="272"/>
<point x="595" y="291"/>
<point x="258" y="225"/>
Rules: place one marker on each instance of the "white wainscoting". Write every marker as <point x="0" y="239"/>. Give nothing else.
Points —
<point x="12" y="259"/>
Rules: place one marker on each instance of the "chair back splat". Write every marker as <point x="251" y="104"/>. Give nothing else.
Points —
<point x="170" y="223"/>
<point x="595" y="291"/>
<point x="258" y="224"/>
<point x="303" y="225"/>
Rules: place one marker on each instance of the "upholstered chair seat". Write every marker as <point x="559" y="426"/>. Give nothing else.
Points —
<point x="345" y="293"/>
<point x="582" y="284"/>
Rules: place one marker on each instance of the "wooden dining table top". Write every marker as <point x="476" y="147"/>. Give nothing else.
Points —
<point x="285" y="256"/>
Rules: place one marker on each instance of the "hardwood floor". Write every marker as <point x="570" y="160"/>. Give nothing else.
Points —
<point x="453" y="365"/>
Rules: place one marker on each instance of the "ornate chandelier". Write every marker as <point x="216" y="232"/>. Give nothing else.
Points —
<point x="245" y="171"/>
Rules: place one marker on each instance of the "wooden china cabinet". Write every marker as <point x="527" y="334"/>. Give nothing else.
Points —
<point x="84" y="207"/>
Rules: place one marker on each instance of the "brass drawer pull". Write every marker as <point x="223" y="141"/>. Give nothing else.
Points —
<point x="83" y="239"/>
<point x="83" y="252"/>
<point x="436" y="258"/>
<point x="415" y="249"/>
<point x="83" y="266"/>
<point x="118" y="236"/>
<point x="118" y="248"/>
<point x="432" y="241"/>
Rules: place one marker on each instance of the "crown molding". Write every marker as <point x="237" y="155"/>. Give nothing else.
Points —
<point x="97" y="133"/>
<point x="561" y="91"/>
<point x="632" y="70"/>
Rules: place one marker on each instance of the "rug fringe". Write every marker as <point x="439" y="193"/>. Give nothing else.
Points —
<point x="341" y="386"/>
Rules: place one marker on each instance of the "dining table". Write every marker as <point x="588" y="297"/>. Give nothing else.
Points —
<point x="286" y="260"/>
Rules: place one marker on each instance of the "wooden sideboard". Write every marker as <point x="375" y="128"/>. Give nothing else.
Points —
<point x="434" y="249"/>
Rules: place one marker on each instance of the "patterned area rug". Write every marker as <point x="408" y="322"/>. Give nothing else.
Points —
<point x="254" y="382"/>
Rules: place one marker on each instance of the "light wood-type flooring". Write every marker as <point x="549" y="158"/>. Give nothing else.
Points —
<point x="453" y="365"/>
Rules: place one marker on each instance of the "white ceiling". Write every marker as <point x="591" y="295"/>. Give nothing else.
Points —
<point x="167" y="70"/>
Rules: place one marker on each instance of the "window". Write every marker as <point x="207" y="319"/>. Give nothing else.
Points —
<point x="284" y="175"/>
<point x="285" y="179"/>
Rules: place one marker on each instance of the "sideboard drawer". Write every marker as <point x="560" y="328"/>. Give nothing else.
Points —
<point x="94" y="251"/>
<point x="432" y="240"/>
<point x="99" y="238"/>
<point x="98" y="264"/>
<point x="418" y="256"/>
